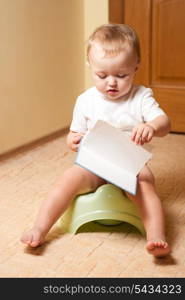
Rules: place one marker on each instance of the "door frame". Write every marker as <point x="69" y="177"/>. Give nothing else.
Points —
<point x="116" y="11"/>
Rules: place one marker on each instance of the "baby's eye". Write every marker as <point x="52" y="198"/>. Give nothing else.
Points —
<point x="121" y="75"/>
<point x="101" y="76"/>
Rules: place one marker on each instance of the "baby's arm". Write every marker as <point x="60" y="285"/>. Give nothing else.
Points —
<point x="144" y="132"/>
<point x="73" y="140"/>
<point x="161" y="125"/>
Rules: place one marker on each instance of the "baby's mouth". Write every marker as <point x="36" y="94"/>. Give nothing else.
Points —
<point x="112" y="91"/>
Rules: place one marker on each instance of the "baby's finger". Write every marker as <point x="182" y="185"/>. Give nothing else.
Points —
<point x="74" y="147"/>
<point x="77" y="139"/>
<point x="138" y="135"/>
<point x="145" y="134"/>
<point x="150" y="136"/>
<point x="134" y="131"/>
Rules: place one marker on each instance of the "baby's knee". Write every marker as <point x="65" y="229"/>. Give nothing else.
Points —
<point x="66" y="178"/>
<point x="146" y="176"/>
<point x="71" y="181"/>
<point x="77" y="177"/>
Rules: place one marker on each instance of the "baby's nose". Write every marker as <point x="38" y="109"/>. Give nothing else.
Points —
<point x="112" y="81"/>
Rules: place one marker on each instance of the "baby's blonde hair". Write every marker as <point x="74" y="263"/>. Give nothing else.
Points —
<point x="113" y="37"/>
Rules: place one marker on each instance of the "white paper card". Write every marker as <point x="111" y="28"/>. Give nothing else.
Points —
<point x="109" y="153"/>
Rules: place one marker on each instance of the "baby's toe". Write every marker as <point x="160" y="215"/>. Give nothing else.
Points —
<point x="37" y="240"/>
<point x="159" y="244"/>
<point x="165" y="245"/>
<point x="150" y="245"/>
<point x="27" y="238"/>
<point x="162" y="244"/>
<point x="34" y="243"/>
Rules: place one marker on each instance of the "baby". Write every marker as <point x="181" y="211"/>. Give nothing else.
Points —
<point x="113" y="55"/>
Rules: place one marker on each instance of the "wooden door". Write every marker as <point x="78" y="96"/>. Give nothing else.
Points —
<point x="160" y="25"/>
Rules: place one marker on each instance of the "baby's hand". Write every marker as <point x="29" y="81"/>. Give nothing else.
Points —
<point x="142" y="133"/>
<point x="73" y="140"/>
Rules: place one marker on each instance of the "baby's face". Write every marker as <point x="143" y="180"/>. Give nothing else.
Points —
<point x="113" y="75"/>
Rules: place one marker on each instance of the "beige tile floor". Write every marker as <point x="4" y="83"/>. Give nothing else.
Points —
<point x="96" y="251"/>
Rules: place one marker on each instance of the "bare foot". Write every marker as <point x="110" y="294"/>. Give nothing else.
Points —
<point x="33" y="237"/>
<point x="158" y="248"/>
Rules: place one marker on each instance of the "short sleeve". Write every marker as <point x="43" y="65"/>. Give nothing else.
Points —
<point x="78" y="123"/>
<point x="150" y="107"/>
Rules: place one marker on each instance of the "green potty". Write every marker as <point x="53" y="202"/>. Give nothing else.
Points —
<point x="108" y="205"/>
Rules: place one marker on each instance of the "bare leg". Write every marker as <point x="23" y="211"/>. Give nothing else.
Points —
<point x="74" y="181"/>
<point x="151" y="212"/>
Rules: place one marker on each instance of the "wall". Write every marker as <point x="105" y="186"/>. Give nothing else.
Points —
<point x="41" y="57"/>
<point x="95" y="14"/>
<point x="42" y="64"/>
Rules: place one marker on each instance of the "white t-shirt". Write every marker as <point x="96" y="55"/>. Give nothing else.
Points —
<point x="140" y="106"/>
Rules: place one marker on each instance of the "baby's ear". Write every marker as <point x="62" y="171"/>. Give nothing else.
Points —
<point x="87" y="64"/>
<point x="137" y="67"/>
